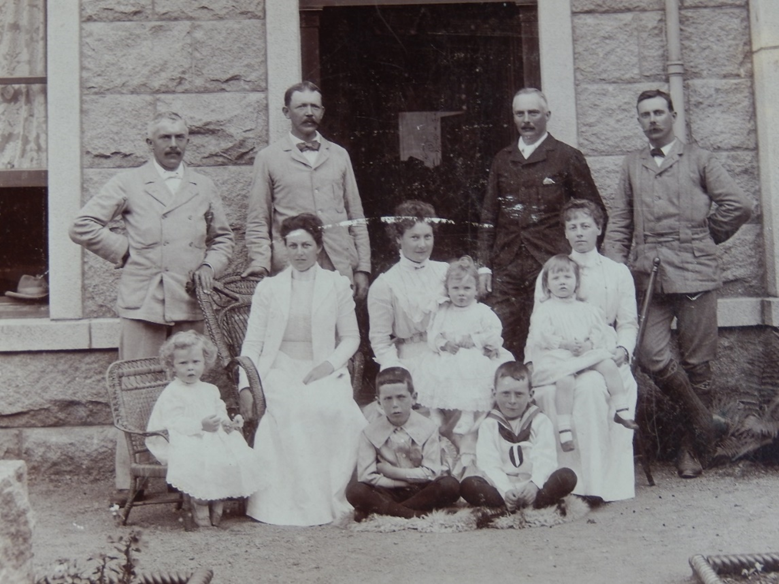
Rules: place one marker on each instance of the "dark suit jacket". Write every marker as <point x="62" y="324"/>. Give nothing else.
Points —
<point x="524" y="198"/>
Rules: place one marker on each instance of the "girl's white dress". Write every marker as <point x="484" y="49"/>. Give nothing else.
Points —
<point x="204" y="465"/>
<point x="557" y="320"/>
<point x="461" y="381"/>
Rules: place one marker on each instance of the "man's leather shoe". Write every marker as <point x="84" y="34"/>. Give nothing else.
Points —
<point x="687" y="466"/>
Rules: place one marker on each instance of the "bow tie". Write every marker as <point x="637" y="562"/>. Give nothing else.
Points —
<point x="656" y="152"/>
<point x="312" y="146"/>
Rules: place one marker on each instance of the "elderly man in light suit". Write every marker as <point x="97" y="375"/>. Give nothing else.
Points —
<point x="305" y="173"/>
<point x="175" y="230"/>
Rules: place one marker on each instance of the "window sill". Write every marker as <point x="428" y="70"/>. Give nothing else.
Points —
<point x="43" y="334"/>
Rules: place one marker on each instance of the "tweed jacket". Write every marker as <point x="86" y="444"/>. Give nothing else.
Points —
<point x="666" y="212"/>
<point x="524" y="198"/>
<point x="334" y="334"/>
<point x="167" y="237"/>
<point x="285" y="185"/>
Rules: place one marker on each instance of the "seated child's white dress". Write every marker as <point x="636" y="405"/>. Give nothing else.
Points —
<point x="204" y="465"/>
<point x="566" y="319"/>
<point x="461" y="381"/>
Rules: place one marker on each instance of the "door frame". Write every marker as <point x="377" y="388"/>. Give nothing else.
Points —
<point x="555" y="37"/>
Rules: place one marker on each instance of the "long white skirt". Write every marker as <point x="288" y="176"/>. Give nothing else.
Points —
<point x="306" y="444"/>
<point x="603" y="458"/>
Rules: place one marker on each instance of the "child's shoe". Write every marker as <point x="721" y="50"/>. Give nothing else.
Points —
<point x="566" y="441"/>
<point x="627" y="422"/>
<point x="216" y="508"/>
<point x="200" y="513"/>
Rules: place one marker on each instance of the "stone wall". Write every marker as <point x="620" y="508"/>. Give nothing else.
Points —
<point x="204" y="60"/>
<point x="16" y="523"/>
<point x="620" y="50"/>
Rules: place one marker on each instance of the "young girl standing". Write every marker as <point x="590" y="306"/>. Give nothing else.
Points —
<point x="207" y="457"/>
<point x="465" y="337"/>
<point x="568" y="336"/>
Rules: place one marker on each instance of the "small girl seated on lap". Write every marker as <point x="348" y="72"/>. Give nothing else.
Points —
<point x="568" y="336"/>
<point x="399" y="457"/>
<point x="516" y="450"/>
<point x="207" y="457"/>
<point x="456" y="377"/>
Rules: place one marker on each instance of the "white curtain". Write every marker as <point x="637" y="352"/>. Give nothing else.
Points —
<point x="22" y="107"/>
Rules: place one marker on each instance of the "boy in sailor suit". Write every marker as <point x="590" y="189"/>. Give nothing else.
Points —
<point x="516" y="450"/>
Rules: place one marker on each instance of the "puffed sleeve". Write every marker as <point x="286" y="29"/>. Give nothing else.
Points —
<point x="347" y="333"/>
<point x="626" y="322"/>
<point x="382" y="317"/>
<point x="256" y="328"/>
<point x="490" y="330"/>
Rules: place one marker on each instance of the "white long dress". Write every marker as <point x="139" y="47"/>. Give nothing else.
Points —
<point x="306" y="442"/>
<point x="603" y="458"/>
<point x="205" y="465"/>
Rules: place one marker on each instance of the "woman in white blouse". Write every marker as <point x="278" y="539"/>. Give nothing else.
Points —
<point x="302" y="330"/>
<point x="603" y="458"/>
<point x="402" y="300"/>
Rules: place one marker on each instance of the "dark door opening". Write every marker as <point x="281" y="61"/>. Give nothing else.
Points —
<point x="456" y="66"/>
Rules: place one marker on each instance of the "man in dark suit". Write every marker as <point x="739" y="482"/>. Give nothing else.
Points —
<point x="530" y="180"/>
<point x="305" y="173"/>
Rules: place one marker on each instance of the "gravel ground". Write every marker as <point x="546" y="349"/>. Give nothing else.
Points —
<point x="733" y="509"/>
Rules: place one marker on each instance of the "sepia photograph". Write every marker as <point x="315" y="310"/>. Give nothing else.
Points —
<point x="372" y="291"/>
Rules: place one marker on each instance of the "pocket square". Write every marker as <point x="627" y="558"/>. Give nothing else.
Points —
<point x="549" y="181"/>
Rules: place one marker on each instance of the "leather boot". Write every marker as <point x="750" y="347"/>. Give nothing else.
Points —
<point x="687" y="465"/>
<point x="673" y="381"/>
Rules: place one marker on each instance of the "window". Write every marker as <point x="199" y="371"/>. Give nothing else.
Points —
<point x="23" y="156"/>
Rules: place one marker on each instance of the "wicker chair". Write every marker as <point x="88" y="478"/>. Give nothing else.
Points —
<point x="133" y="389"/>
<point x="226" y="312"/>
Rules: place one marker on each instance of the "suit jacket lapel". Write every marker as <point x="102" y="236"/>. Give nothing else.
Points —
<point x="322" y="287"/>
<point x="324" y="152"/>
<point x="293" y="151"/>
<point x="154" y="186"/>
<point x="186" y="192"/>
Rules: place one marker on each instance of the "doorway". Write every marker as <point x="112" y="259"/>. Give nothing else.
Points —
<point x="384" y="69"/>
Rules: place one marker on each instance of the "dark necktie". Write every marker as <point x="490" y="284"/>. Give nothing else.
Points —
<point x="656" y="152"/>
<point x="312" y="146"/>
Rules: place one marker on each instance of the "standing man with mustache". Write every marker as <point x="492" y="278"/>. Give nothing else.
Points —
<point x="305" y="173"/>
<point x="530" y="181"/>
<point x="175" y="231"/>
<point x="663" y="208"/>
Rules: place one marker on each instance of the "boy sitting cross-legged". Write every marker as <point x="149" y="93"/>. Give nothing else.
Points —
<point x="516" y="450"/>
<point x="399" y="457"/>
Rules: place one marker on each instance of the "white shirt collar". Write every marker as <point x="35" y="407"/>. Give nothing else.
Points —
<point x="411" y="264"/>
<point x="587" y="259"/>
<point x="296" y="140"/>
<point x="164" y="173"/>
<point x="528" y="149"/>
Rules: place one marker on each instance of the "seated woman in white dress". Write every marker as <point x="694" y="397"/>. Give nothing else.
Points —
<point x="301" y="333"/>
<point x="603" y="454"/>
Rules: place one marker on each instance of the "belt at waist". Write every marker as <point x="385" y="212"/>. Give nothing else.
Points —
<point x="415" y="338"/>
<point x="674" y="236"/>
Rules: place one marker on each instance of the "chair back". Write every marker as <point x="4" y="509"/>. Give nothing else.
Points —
<point x="133" y="389"/>
<point x="226" y="312"/>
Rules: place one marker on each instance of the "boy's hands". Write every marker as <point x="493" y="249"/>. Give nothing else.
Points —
<point x="450" y="347"/>
<point x="523" y="496"/>
<point x="211" y="423"/>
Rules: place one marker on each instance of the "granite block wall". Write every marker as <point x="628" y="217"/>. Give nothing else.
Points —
<point x="620" y="50"/>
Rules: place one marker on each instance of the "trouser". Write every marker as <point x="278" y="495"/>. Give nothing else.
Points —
<point x="696" y="323"/>
<point x="140" y="339"/>
<point x="478" y="492"/>
<point x="411" y="501"/>
<point x="689" y="385"/>
<point x="512" y="297"/>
